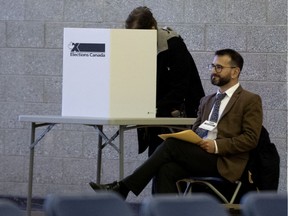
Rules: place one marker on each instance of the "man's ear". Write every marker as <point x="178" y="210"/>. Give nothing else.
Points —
<point x="236" y="72"/>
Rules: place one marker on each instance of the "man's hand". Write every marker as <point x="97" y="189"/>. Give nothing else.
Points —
<point x="208" y="145"/>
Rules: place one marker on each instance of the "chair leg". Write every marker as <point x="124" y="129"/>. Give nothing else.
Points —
<point x="239" y="184"/>
<point x="189" y="183"/>
<point x="178" y="187"/>
<point x="187" y="189"/>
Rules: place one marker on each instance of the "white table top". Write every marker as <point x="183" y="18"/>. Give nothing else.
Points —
<point x="105" y="121"/>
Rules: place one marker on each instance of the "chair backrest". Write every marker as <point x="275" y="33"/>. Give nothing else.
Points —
<point x="264" y="204"/>
<point x="8" y="208"/>
<point x="171" y="205"/>
<point x="102" y="204"/>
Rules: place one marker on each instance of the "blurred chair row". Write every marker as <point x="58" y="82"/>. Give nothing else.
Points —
<point x="110" y="204"/>
<point x="7" y="208"/>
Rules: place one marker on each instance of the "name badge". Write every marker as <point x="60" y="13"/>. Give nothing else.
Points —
<point x="208" y="125"/>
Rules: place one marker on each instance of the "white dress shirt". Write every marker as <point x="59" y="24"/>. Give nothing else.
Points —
<point x="229" y="92"/>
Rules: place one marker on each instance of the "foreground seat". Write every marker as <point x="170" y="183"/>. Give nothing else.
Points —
<point x="171" y="205"/>
<point x="102" y="204"/>
<point x="211" y="183"/>
<point x="264" y="204"/>
<point x="7" y="208"/>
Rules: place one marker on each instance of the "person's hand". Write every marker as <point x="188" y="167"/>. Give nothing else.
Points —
<point x="208" y="145"/>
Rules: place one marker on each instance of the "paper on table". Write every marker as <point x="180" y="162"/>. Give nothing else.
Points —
<point x="186" y="135"/>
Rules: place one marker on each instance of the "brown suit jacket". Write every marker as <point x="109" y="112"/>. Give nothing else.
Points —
<point x="239" y="129"/>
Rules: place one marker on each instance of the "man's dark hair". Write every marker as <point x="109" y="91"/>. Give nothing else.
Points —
<point x="236" y="58"/>
<point x="140" y="18"/>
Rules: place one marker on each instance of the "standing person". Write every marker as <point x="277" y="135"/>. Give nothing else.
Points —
<point x="224" y="150"/>
<point x="179" y="88"/>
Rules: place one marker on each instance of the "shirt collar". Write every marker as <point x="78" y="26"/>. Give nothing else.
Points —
<point x="229" y="92"/>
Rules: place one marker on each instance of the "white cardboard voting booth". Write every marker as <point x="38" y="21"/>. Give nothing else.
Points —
<point x="109" y="73"/>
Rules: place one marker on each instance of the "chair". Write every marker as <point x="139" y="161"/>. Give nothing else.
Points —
<point x="261" y="173"/>
<point x="264" y="204"/>
<point x="7" y="208"/>
<point x="102" y="204"/>
<point x="171" y="205"/>
<point x="211" y="183"/>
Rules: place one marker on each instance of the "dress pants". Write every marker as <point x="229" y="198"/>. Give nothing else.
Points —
<point x="173" y="160"/>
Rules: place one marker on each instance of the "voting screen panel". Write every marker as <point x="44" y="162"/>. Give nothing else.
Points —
<point x="109" y="73"/>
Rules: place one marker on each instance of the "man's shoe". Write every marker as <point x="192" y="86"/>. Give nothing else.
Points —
<point x="108" y="187"/>
<point x="114" y="186"/>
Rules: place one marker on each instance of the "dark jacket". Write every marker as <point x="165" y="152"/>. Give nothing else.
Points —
<point x="264" y="163"/>
<point x="178" y="84"/>
<point x="178" y="80"/>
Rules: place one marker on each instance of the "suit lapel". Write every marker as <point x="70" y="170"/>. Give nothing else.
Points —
<point x="231" y="102"/>
<point x="209" y="106"/>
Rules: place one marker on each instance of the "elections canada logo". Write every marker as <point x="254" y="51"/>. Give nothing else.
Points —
<point x="87" y="49"/>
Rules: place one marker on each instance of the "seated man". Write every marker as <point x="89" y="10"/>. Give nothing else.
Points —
<point x="230" y="128"/>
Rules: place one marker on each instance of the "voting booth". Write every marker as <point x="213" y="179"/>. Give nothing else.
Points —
<point x="109" y="73"/>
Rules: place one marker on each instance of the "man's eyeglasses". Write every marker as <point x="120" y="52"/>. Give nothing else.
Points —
<point x="218" y="68"/>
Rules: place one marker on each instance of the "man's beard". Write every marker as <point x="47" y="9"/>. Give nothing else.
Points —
<point x="219" y="81"/>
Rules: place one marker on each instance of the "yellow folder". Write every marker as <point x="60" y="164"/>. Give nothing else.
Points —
<point x="186" y="135"/>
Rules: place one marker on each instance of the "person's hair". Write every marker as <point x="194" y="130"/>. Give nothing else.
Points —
<point x="140" y="18"/>
<point x="236" y="58"/>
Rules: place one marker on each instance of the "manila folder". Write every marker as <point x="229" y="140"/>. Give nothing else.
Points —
<point x="185" y="135"/>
